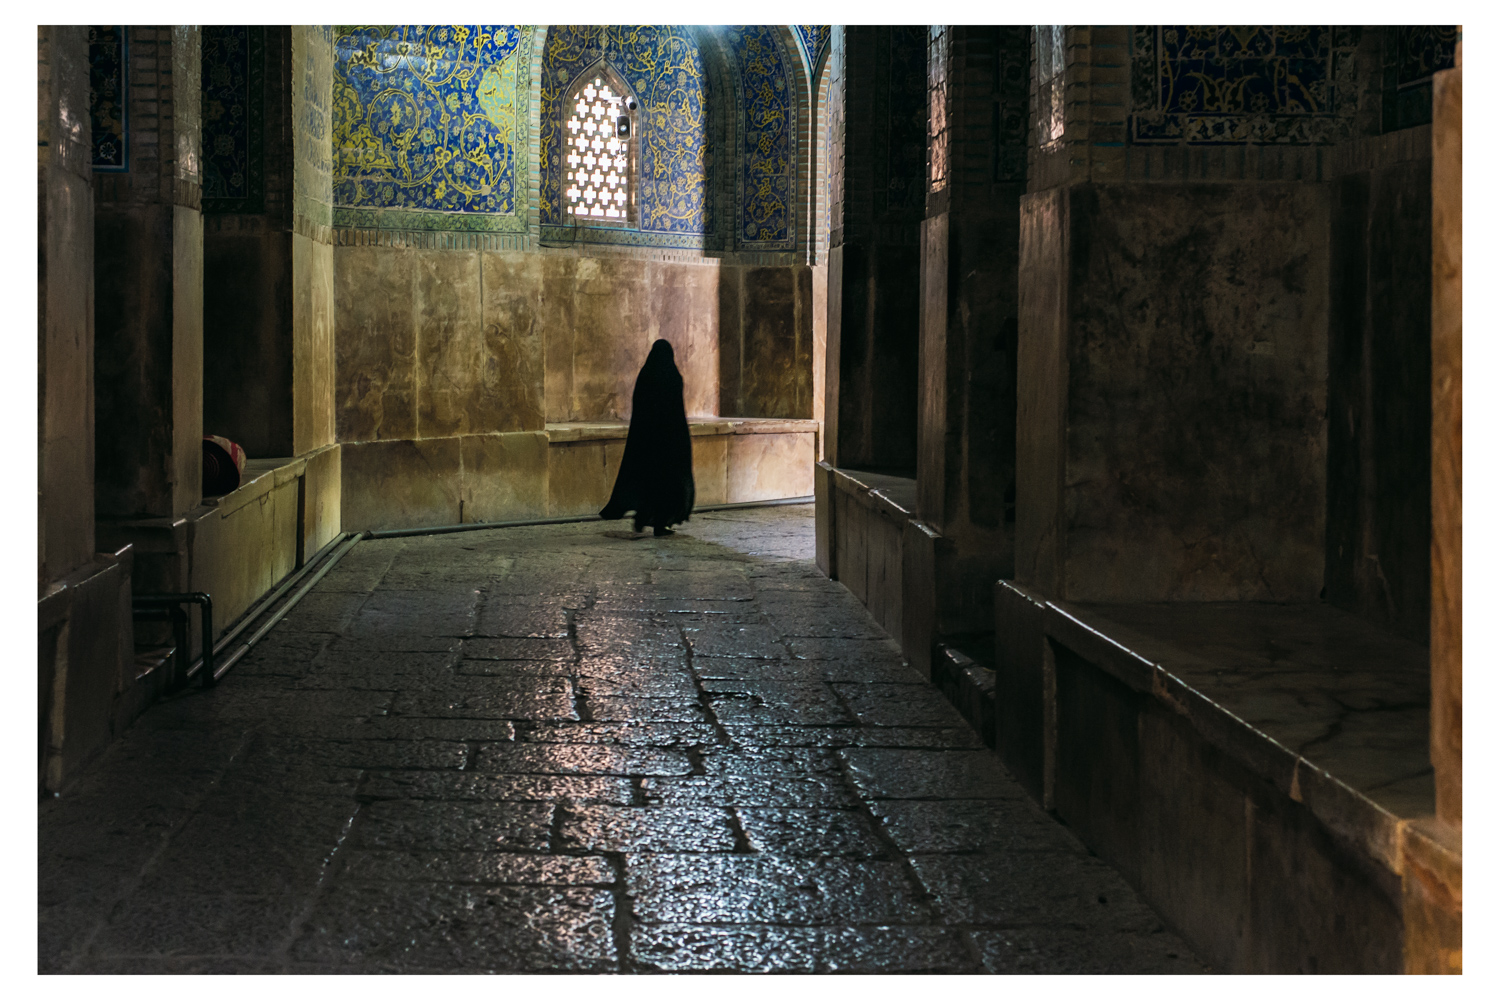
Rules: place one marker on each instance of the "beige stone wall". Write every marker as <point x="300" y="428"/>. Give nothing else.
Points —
<point x="434" y="343"/>
<point x="450" y="364"/>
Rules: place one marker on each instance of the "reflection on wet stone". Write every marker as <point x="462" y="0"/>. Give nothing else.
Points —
<point x="548" y="749"/>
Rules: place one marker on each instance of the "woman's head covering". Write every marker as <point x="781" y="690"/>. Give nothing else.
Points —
<point x="661" y="350"/>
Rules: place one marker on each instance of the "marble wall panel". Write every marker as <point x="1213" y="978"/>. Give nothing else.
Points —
<point x="1172" y="392"/>
<point x="581" y="474"/>
<point x="889" y="608"/>
<point x="432" y="343"/>
<point x="313" y="388"/>
<point x="919" y="595"/>
<point x="804" y="355"/>
<point x="375" y="344"/>
<point x="505" y="476"/>
<point x="1020" y="645"/>
<point x="771" y="386"/>
<point x="731" y="353"/>
<point x="511" y="355"/>
<point x="610" y="337"/>
<point x="449" y="480"/>
<point x="769" y="466"/>
<point x="1096" y="784"/>
<point x="322" y="501"/>
<point x="825" y="545"/>
<point x="132" y="360"/>
<point x="1197" y="387"/>
<point x="97" y="645"/>
<point x="1316" y="905"/>
<point x="453" y="395"/>
<point x="240" y="555"/>
<point x="558" y="316"/>
<point x="684" y="301"/>
<point x="401" y="484"/>
<point x="711" y="468"/>
<point x="1192" y="836"/>
<point x="849" y="541"/>
<point x="312" y="111"/>
<point x="1446" y="635"/>
<point x="600" y="317"/>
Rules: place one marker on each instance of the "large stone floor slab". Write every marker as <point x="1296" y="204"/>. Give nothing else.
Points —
<point x="557" y="749"/>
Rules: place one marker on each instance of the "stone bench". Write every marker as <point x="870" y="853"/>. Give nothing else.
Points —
<point x="1255" y="769"/>
<point x="735" y="460"/>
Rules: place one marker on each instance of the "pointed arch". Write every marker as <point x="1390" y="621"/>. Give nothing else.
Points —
<point x="665" y="68"/>
<point x="599" y="165"/>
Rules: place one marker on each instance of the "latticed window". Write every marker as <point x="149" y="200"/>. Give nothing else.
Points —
<point x="596" y="157"/>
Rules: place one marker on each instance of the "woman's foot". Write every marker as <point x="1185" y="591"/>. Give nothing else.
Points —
<point x="660" y="532"/>
<point x="638" y="527"/>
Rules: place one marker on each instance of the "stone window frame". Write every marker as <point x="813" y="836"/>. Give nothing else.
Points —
<point x="601" y="70"/>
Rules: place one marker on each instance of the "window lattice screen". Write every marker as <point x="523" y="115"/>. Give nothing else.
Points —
<point x="597" y="161"/>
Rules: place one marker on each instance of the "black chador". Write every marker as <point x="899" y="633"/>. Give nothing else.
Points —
<point x="656" y="473"/>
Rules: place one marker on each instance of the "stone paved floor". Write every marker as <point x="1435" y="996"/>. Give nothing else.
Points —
<point x="555" y="748"/>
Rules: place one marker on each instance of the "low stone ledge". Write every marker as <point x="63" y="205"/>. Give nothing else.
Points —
<point x="894" y="497"/>
<point x="1235" y="700"/>
<point x="262" y="475"/>
<point x="1220" y="699"/>
<point x="563" y="433"/>
<point x="969" y="686"/>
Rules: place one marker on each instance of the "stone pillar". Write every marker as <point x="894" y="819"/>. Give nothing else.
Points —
<point x="268" y="266"/>
<point x="84" y="629"/>
<point x="1447" y="441"/>
<point x="1432" y="849"/>
<point x="970" y="241"/>
<point x="312" y="238"/>
<point x="878" y="121"/>
<point x="148" y="281"/>
<point x="65" y="308"/>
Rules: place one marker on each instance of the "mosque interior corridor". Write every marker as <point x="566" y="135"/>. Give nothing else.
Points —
<point x="1070" y="420"/>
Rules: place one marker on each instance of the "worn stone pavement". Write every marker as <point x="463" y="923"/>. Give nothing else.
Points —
<point x="558" y="749"/>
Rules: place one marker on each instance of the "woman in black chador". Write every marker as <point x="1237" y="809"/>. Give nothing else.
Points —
<point x="656" y="474"/>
